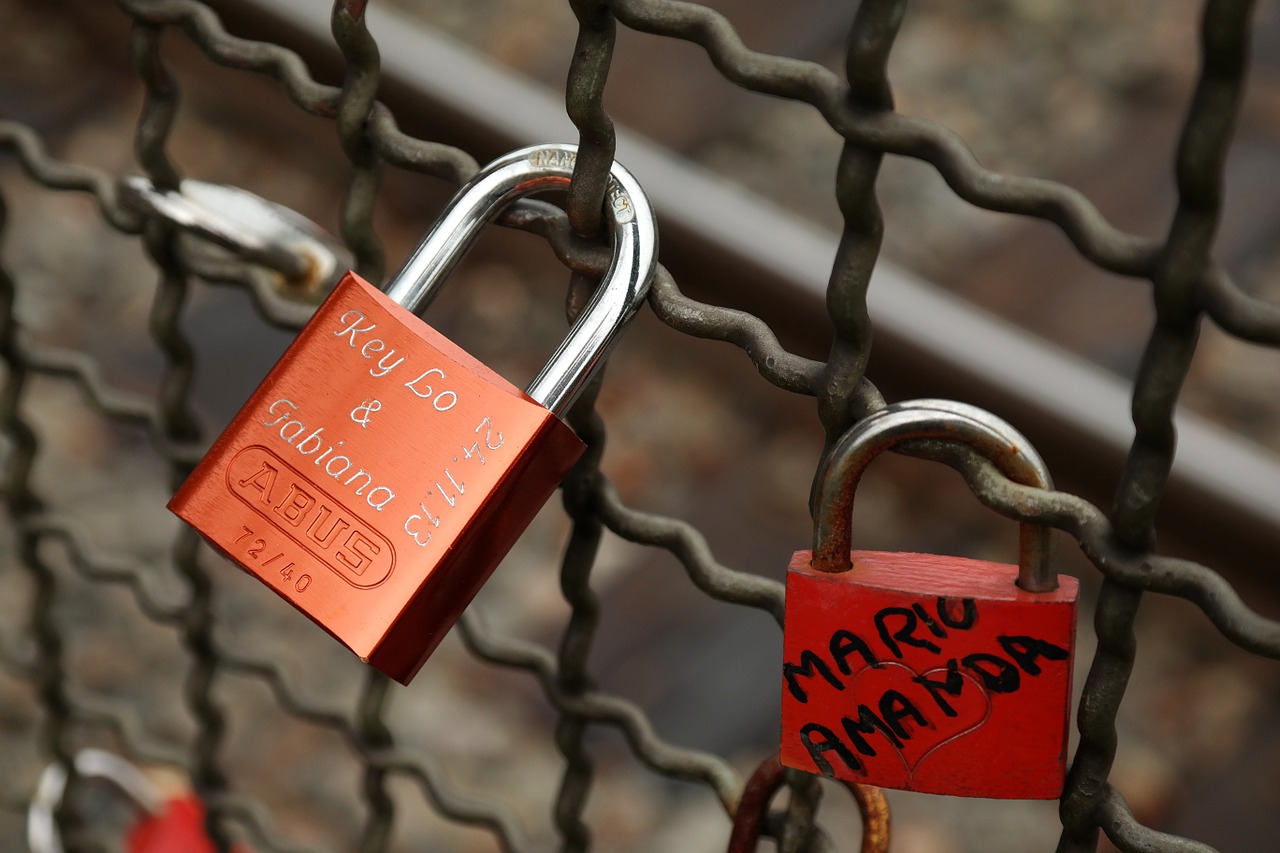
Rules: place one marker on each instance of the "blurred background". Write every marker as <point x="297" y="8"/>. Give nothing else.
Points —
<point x="1088" y="93"/>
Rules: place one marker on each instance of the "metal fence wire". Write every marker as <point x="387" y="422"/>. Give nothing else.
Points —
<point x="1186" y="283"/>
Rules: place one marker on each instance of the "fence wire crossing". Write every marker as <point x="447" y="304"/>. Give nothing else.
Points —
<point x="1186" y="284"/>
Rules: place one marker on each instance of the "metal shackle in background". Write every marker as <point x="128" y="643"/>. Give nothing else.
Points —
<point x="95" y="764"/>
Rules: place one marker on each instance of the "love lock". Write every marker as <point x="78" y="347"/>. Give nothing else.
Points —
<point x="165" y="825"/>
<point x="379" y="473"/>
<point x="748" y="820"/>
<point x="921" y="671"/>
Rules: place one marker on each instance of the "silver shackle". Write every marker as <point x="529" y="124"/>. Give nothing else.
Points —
<point x="536" y="169"/>
<point x="90" y="763"/>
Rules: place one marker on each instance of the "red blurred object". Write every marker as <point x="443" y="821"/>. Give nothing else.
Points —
<point x="178" y="829"/>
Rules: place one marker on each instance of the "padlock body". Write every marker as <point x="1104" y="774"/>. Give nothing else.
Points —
<point x="376" y="477"/>
<point x="928" y="673"/>
<point x="178" y="828"/>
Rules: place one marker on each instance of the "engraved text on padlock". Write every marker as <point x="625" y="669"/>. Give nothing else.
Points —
<point x="379" y="473"/>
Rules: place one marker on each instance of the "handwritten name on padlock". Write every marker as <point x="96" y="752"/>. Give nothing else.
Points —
<point x="944" y="692"/>
<point x="927" y="672"/>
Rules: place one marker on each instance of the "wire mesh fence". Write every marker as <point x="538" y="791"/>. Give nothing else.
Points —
<point x="174" y="584"/>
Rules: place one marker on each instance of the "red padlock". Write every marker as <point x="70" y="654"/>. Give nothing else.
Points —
<point x="167" y="824"/>
<point x="178" y="827"/>
<point x="920" y="671"/>
<point x="379" y="473"/>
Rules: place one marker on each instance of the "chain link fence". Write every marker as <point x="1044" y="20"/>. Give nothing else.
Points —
<point x="49" y="541"/>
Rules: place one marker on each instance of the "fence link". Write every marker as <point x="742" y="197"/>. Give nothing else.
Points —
<point x="1186" y="284"/>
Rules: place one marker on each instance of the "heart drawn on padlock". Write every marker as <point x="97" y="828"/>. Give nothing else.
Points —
<point x="972" y="707"/>
<point x="967" y="662"/>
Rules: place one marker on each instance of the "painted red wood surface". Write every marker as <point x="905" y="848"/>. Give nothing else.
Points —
<point x="376" y="477"/>
<point x="928" y="673"/>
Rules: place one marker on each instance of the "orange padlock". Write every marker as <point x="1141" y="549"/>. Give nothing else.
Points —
<point x="921" y="671"/>
<point x="379" y="473"/>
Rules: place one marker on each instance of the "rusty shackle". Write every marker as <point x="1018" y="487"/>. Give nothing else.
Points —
<point x="944" y="420"/>
<point x="748" y="820"/>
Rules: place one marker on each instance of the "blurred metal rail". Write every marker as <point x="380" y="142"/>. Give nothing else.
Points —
<point x="1223" y="489"/>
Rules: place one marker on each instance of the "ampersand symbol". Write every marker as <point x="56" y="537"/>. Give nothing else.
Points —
<point x="361" y="413"/>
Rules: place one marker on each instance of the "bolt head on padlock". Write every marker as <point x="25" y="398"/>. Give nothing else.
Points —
<point x="379" y="473"/>
<point x="925" y="672"/>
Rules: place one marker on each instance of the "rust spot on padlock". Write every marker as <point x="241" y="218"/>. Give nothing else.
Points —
<point x="748" y="820"/>
<point x="379" y="473"/>
<point x="921" y="671"/>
